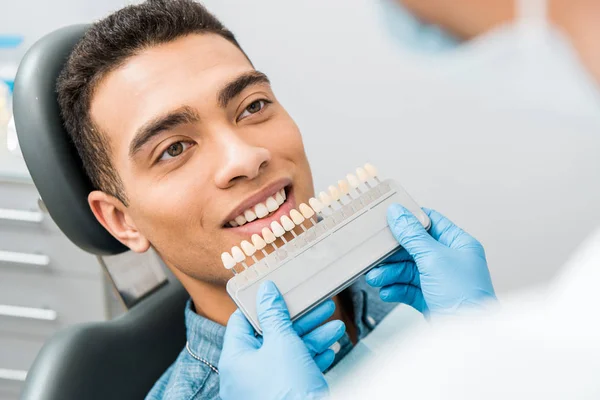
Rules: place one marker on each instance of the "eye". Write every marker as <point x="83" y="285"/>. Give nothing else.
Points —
<point x="253" y="108"/>
<point x="174" y="150"/>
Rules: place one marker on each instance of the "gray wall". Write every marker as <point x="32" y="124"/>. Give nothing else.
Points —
<point x="499" y="136"/>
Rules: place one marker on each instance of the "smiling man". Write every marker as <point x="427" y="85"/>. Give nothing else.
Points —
<point x="190" y="153"/>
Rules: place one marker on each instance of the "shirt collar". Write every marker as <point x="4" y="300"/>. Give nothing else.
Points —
<point x="205" y="337"/>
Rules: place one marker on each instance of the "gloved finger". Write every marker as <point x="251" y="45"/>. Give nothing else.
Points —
<point x="406" y="294"/>
<point x="314" y="318"/>
<point x="409" y="232"/>
<point x="400" y="255"/>
<point x="403" y="272"/>
<point x="325" y="359"/>
<point x="324" y="336"/>
<point x="273" y="314"/>
<point x="446" y="232"/>
<point x="239" y="334"/>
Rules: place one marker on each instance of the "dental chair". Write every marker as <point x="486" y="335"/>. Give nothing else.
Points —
<point x="117" y="359"/>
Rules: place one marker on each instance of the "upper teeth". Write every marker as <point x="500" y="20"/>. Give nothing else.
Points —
<point x="260" y="210"/>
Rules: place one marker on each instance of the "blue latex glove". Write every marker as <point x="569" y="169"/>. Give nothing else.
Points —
<point x="438" y="273"/>
<point x="287" y="362"/>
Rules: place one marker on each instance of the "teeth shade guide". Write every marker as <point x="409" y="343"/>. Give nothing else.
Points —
<point x="330" y="204"/>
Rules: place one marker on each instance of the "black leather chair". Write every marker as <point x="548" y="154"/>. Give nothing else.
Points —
<point x="118" y="359"/>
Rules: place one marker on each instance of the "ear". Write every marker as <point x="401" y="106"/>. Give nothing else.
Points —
<point x="115" y="218"/>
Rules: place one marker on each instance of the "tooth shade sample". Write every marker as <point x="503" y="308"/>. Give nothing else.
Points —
<point x="268" y="235"/>
<point x="238" y="254"/>
<point x="249" y="215"/>
<point x="279" y="198"/>
<point x="344" y="188"/>
<point x="277" y="229"/>
<point x="287" y="223"/>
<point x="371" y="170"/>
<point x="240" y="220"/>
<point x="272" y="204"/>
<point x="306" y="211"/>
<point x="362" y="175"/>
<point x="228" y="261"/>
<point x="233" y="223"/>
<point x="248" y="248"/>
<point x="352" y="180"/>
<point x="315" y="204"/>
<point x="296" y="217"/>
<point x="261" y="210"/>
<point x="258" y="242"/>
<point x="334" y="193"/>
<point x="325" y="199"/>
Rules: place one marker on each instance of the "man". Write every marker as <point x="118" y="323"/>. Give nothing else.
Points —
<point x="185" y="141"/>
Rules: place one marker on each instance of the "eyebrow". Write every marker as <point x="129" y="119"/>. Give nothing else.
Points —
<point x="237" y="86"/>
<point x="170" y="120"/>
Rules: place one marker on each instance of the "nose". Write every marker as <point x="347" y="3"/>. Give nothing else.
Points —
<point x="239" y="160"/>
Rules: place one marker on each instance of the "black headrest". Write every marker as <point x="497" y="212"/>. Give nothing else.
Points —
<point x="49" y="153"/>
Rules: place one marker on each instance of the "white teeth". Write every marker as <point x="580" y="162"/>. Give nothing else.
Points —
<point x="240" y="220"/>
<point x="315" y="204"/>
<point x="233" y="223"/>
<point x="296" y="217"/>
<point x="248" y="248"/>
<point x="287" y="223"/>
<point x="306" y="211"/>
<point x="238" y="254"/>
<point x="268" y="235"/>
<point x="277" y="229"/>
<point x="249" y="215"/>
<point x="283" y="194"/>
<point x="228" y="261"/>
<point x="272" y="204"/>
<point x="258" y="242"/>
<point x="261" y="210"/>
<point x="279" y="198"/>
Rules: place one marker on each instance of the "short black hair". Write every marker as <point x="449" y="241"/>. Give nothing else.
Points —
<point x="105" y="46"/>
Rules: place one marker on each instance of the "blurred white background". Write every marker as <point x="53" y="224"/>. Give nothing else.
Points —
<point x="497" y="136"/>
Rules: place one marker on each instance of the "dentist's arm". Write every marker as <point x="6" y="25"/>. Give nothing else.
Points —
<point x="287" y="362"/>
<point x="440" y="272"/>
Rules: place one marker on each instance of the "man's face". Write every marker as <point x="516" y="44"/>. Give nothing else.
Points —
<point x="198" y="137"/>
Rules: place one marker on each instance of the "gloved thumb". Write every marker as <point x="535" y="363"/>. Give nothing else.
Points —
<point x="409" y="232"/>
<point x="273" y="314"/>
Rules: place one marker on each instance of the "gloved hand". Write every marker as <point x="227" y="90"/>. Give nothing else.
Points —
<point x="287" y="362"/>
<point x="438" y="273"/>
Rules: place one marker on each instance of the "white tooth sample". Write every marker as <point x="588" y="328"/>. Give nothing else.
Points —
<point x="287" y="223"/>
<point x="238" y="254"/>
<point x="233" y="224"/>
<point x="306" y="211"/>
<point x="240" y="220"/>
<point x="249" y="215"/>
<point x="279" y="198"/>
<point x="228" y="261"/>
<point x="352" y="180"/>
<point x="258" y="242"/>
<point x="261" y="210"/>
<point x="268" y="235"/>
<point x="362" y="174"/>
<point x="334" y="193"/>
<point x="277" y="229"/>
<point x="315" y="204"/>
<point x="325" y="199"/>
<point x="272" y="204"/>
<point x="296" y="217"/>
<point x="283" y="194"/>
<point x="371" y="170"/>
<point x="248" y="248"/>
<point x="344" y="188"/>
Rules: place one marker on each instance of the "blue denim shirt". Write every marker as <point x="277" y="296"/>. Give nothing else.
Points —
<point x="194" y="374"/>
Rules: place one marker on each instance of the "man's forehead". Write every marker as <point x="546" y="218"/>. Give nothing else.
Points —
<point x="163" y="77"/>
